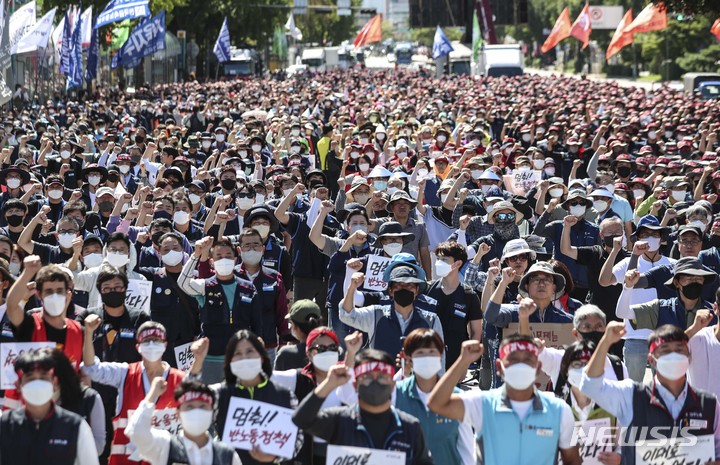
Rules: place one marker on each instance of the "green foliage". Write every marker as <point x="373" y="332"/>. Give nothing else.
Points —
<point x="707" y="59"/>
<point x="682" y="41"/>
<point x="326" y="27"/>
<point x="693" y="7"/>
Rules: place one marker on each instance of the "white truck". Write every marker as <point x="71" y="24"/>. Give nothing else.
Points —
<point x="314" y="59"/>
<point x="501" y="60"/>
<point x="332" y="58"/>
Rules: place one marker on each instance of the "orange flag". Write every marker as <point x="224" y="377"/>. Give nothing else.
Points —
<point x="370" y="32"/>
<point x="652" y="18"/>
<point x="621" y="38"/>
<point x="715" y="29"/>
<point x="560" y="31"/>
<point x="581" y="28"/>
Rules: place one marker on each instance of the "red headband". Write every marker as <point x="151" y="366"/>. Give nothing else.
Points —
<point x="369" y="367"/>
<point x="317" y="332"/>
<point x="583" y="356"/>
<point x="660" y="341"/>
<point x="195" y="395"/>
<point x="151" y="332"/>
<point x="519" y="346"/>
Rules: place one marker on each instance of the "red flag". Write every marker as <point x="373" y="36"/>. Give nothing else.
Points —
<point x="621" y="38"/>
<point x="581" y="28"/>
<point x="560" y="31"/>
<point x="652" y="18"/>
<point x="715" y="29"/>
<point x="370" y="32"/>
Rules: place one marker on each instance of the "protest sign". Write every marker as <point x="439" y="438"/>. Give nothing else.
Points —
<point x="138" y="295"/>
<point x="556" y="335"/>
<point x="251" y="423"/>
<point x="521" y="182"/>
<point x="675" y="451"/>
<point x="376" y="265"/>
<point x="9" y="352"/>
<point x="347" y="455"/>
<point x="166" y="419"/>
<point x="184" y="357"/>
<point x="594" y="437"/>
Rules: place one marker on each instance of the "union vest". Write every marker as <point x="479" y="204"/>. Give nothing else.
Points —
<point x="73" y="338"/>
<point x="388" y="332"/>
<point x="222" y="453"/>
<point x="673" y="312"/>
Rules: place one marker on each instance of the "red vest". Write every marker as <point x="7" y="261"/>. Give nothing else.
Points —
<point x="73" y="347"/>
<point x="133" y="394"/>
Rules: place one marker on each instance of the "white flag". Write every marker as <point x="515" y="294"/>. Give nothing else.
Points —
<point x="292" y="29"/>
<point x="56" y="40"/>
<point x="38" y="37"/>
<point x="21" y="23"/>
<point x="86" y="27"/>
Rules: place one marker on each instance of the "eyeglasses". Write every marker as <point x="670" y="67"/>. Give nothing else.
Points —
<point x="107" y="290"/>
<point x="114" y="249"/>
<point x="518" y="258"/>
<point x="541" y="280"/>
<point x="324" y="348"/>
<point x="67" y="231"/>
<point x="245" y="195"/>
<point x="575" y="204"/>
<point x="505" y="217"/>
<point x="381" y="378"/>
<point x="689" y="243"/>
<point x="249" y="247"/>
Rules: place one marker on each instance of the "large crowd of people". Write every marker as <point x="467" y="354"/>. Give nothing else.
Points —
<point x="452" y="271"/>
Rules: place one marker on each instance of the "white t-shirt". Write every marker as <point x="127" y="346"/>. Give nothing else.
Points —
<point x="704" y="372"/>
<point x="639" y="296"/>
<point x="551" y="358"/>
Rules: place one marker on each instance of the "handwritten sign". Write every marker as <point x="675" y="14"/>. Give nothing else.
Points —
<point x="251" y="423"/>
<point x="347" y="455"/>
<point x="675" y="451"/>
<point x="594" y="437"/>
<point x="184" y="357"/>
<point x="376" y="265"/>
<point x="9" y="352"/>
<point x="556" y="335"/>
<point x="166" y="419"/>
<point x="138" y="295"/>
<point x="520" y="182"/>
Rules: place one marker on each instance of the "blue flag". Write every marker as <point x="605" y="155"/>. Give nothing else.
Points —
<point x="120" y="10"/>
<point x="65" y="44"/>
<point x="222" y="45"/>
<point x="441" y="44"/>
<point x="74" y="73"/>
<point x="92" y="58"/>
<point x="147" y="38"/>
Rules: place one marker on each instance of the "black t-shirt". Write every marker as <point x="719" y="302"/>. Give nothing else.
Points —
<point x="114" y="339"/>
<point x="24" y="332"/>
<point x="377" y="425"/>
<point x="594" y="257"/>
<point x="443" y="214"/>
<point x="455" y="310"/>
<point x="291" y="357"/>
<point x="50" y="253"/>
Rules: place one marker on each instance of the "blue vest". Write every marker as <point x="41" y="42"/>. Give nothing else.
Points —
<point x="219" y="321"/>
<point x="583" y="233"/>
<point x="441" y="433"/>
<point x="507" y="440"/>
<point x="388" y="333"/>
<point x="673" y="312"/>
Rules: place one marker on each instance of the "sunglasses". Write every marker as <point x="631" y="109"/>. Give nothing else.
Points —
<point x="575" y="204"/>
<point x="519" y="258"/>
<point x="322" y="348"/>
<point x="505" y="217"/>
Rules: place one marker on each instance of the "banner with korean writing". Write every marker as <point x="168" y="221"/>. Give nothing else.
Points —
<point x="138" y="295"/>
<point x="184" y="357"/>
<point x="119" y="10"/>
<point x="376" y="265"/>
<point x="347" y="455"/>
<point x="594" y="437"/>
<point x="166" y="419"/>
<point x="556" y="335"/>
<point x="147" y="38"/>
<point x="251" y="423"/>
<point x="9" y="352"/>
<point x="521" y="182"/>
<point x="675" y="451"/>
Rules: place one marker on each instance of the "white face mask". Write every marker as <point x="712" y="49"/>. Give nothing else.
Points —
<point x="54" y="304"/>
<point x="526" y="137"/>
<point x="421" y="173"/>
<point x="380" y="136"/>
<point x="92" y="260"/>
<point x="256" y="147"/>
<point x="263" y="229"/>
<point x="550" y="171"/>
<point x="173" y="257"/>
<point x="220" y="137"/>
<point x="699" y="224"/>
<point x="672" y="366"/>
<point x="364" y="166"/>
<point x="392" y="249"/>
<point x="653" y="243"/>
<point x="364" y="140"/>
<point x="224" y="266"/>
<point x="117" y="259"/>
<point x="37" y="392"/>
<point x="639" y="193"/>
<point x="206" y="144"/>
<point x="286" y="192"/>
<point x="678" y="196"/>
<point x="65" y="154"/>
<point x="259" y="199"/>
<point x="391" y="190"/>
<point x="246" y="369"/>
<point x="196" y="421"/>
<point x="600" y="205"/>
<point x="151" y="351"/>
<point x="442" y="268"/>
<point x="426" y="367"/>
<point x="441" y="138"/>
<point x="194" y="198"/>
<point x="402" y="155"/>
<point x="295" y="132"/>
<point x="361" y="198"/>
<point x="14" y="268"/>
<point x="65" y="240"/>
<point x="652" y="134"/>
<point x="251" y="257"/>
<point x="574" y="376"/>
<point x="181" y="217"/>
<point x="13" y="183"/>
<point x="243" y="153"/>
<point x="578" y="210"/>
<point x="295" y="149"/>
<point x="245" y="203"/>
<point x="556" y="193"/>
<point x="524" y="168"/>
<point x="94" y="180"/>
<point x="354" y="155"/>
<point x="538" y="164"/>
<point x="519" y="376"/>
<point x="124" y="169"/>
<point x="668" y="134"/>
<point x="325" y="360"/>
<point x="475" y="174"/>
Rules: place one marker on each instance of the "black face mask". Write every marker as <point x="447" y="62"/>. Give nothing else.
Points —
<point x="228" y="184"/>
<point x="715" y="241"/>
<point x="113" y="177"/>
<point x="624" y="171"/>
<point x="139" y="139"/>
<point x="692" y="291"/>
<point x="113" y="299"/>
<point x="375" y="393"/>
<point x="403" y="297"/>
<point x="592" y="336"/>
<point x="608" y="241"/>
<point x="14" y="220"/>
<point x="106" y="206"/>
<point x="156" y="237"/>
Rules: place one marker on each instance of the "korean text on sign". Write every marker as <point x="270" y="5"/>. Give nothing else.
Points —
<point x="9" y="352"/>
<point x="251" y="423"/>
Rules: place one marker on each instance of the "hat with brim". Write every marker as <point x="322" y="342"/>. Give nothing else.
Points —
<point x="96" y="168"/>
<point x="648" y="222"/>
<point x="546" y="268"/>
<point x="400" y="195"/>
<point x="263" y="211"/>
<point x="394" y="229"/>
<point x="192" y="142"/>
<point x="357" y="182"/>
<point x="349" y="209"/>
<point x="576" y="195"/>
<point x="690" y="266"/>
<point x="24" y="175"/>
<point x="303" y="309"/>
<point x="504" y="205"/>
<point x="407" y="273"/>
<point x="517" y="247"/>
<point x="403" y="259"/>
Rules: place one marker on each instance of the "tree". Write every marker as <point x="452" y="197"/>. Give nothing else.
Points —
<point x="693" y="7"/>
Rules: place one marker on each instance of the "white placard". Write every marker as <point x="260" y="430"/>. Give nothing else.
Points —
<point x="594" y="436"/>
<point x="606" y="17"/>
<point x="184" y="357"/>
<point x="376" y="265"/>
<point x="166" y="419"/>
<point x="347" y="455"/>
<point x="251" y="423"/>
<point x="520" y="182"/>
<point x="676" y="451"/>
<point x="138" y="295"/>
<point x="9" y="352"/>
